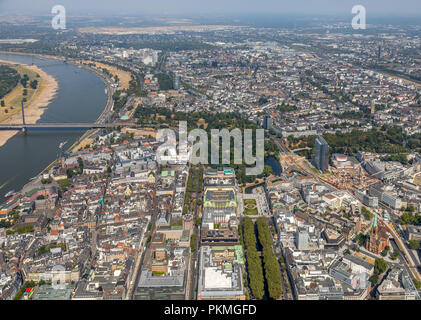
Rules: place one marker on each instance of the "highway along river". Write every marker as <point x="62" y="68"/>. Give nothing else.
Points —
<point x="80" y="98"/>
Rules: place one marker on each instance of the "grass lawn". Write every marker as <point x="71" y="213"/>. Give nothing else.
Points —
<point x="251" y="211"/>
<point x="250" y="202"/>
<point x="250" y="207"/>
<point x="13" y="99"/>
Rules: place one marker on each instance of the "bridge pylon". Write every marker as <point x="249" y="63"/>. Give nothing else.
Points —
<point x="23" y="120"/>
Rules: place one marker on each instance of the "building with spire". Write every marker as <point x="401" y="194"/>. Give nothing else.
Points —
<point x="378" y="239"/>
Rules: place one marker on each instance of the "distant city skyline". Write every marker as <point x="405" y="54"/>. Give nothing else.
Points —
<point x="216" y="7"/>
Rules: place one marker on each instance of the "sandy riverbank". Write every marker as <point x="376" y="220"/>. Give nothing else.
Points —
<point x="124" y="76"/>
<point x="47" y="89"/>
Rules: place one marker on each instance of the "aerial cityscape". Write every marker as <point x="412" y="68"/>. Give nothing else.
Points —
<point x="103" y="196"/>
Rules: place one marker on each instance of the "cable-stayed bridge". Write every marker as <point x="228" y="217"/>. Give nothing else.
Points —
<point x="59" y="126"/>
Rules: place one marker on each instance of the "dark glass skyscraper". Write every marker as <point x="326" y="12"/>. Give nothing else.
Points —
<point x="267" y="123"/>
<point x="321" y="154"/>
<point x="176" y="82"/>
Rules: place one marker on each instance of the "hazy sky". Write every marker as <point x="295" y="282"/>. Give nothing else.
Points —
<point x="181" y="7"/>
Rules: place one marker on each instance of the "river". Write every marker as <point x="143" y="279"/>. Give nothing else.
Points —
<point x="80" y="98"/>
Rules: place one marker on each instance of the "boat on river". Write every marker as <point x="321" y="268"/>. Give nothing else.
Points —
<point x="10" y="194"/>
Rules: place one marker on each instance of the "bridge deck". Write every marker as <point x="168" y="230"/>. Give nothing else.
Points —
<point x="51" y="126"/>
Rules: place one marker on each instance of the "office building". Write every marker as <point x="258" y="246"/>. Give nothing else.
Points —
<point x="267" y="122"/>
<point x="176" y="84"/>
<point x="397" y="285"/>
<point x="302" y="238"/>
<point x="321" y="156"/>
<point x="221" y="273"/>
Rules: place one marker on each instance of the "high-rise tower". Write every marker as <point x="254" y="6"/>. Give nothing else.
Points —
<point x="321" y="155"/>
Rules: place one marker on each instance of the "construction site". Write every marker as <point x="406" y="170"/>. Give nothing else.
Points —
<point x="351" y="179"/>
